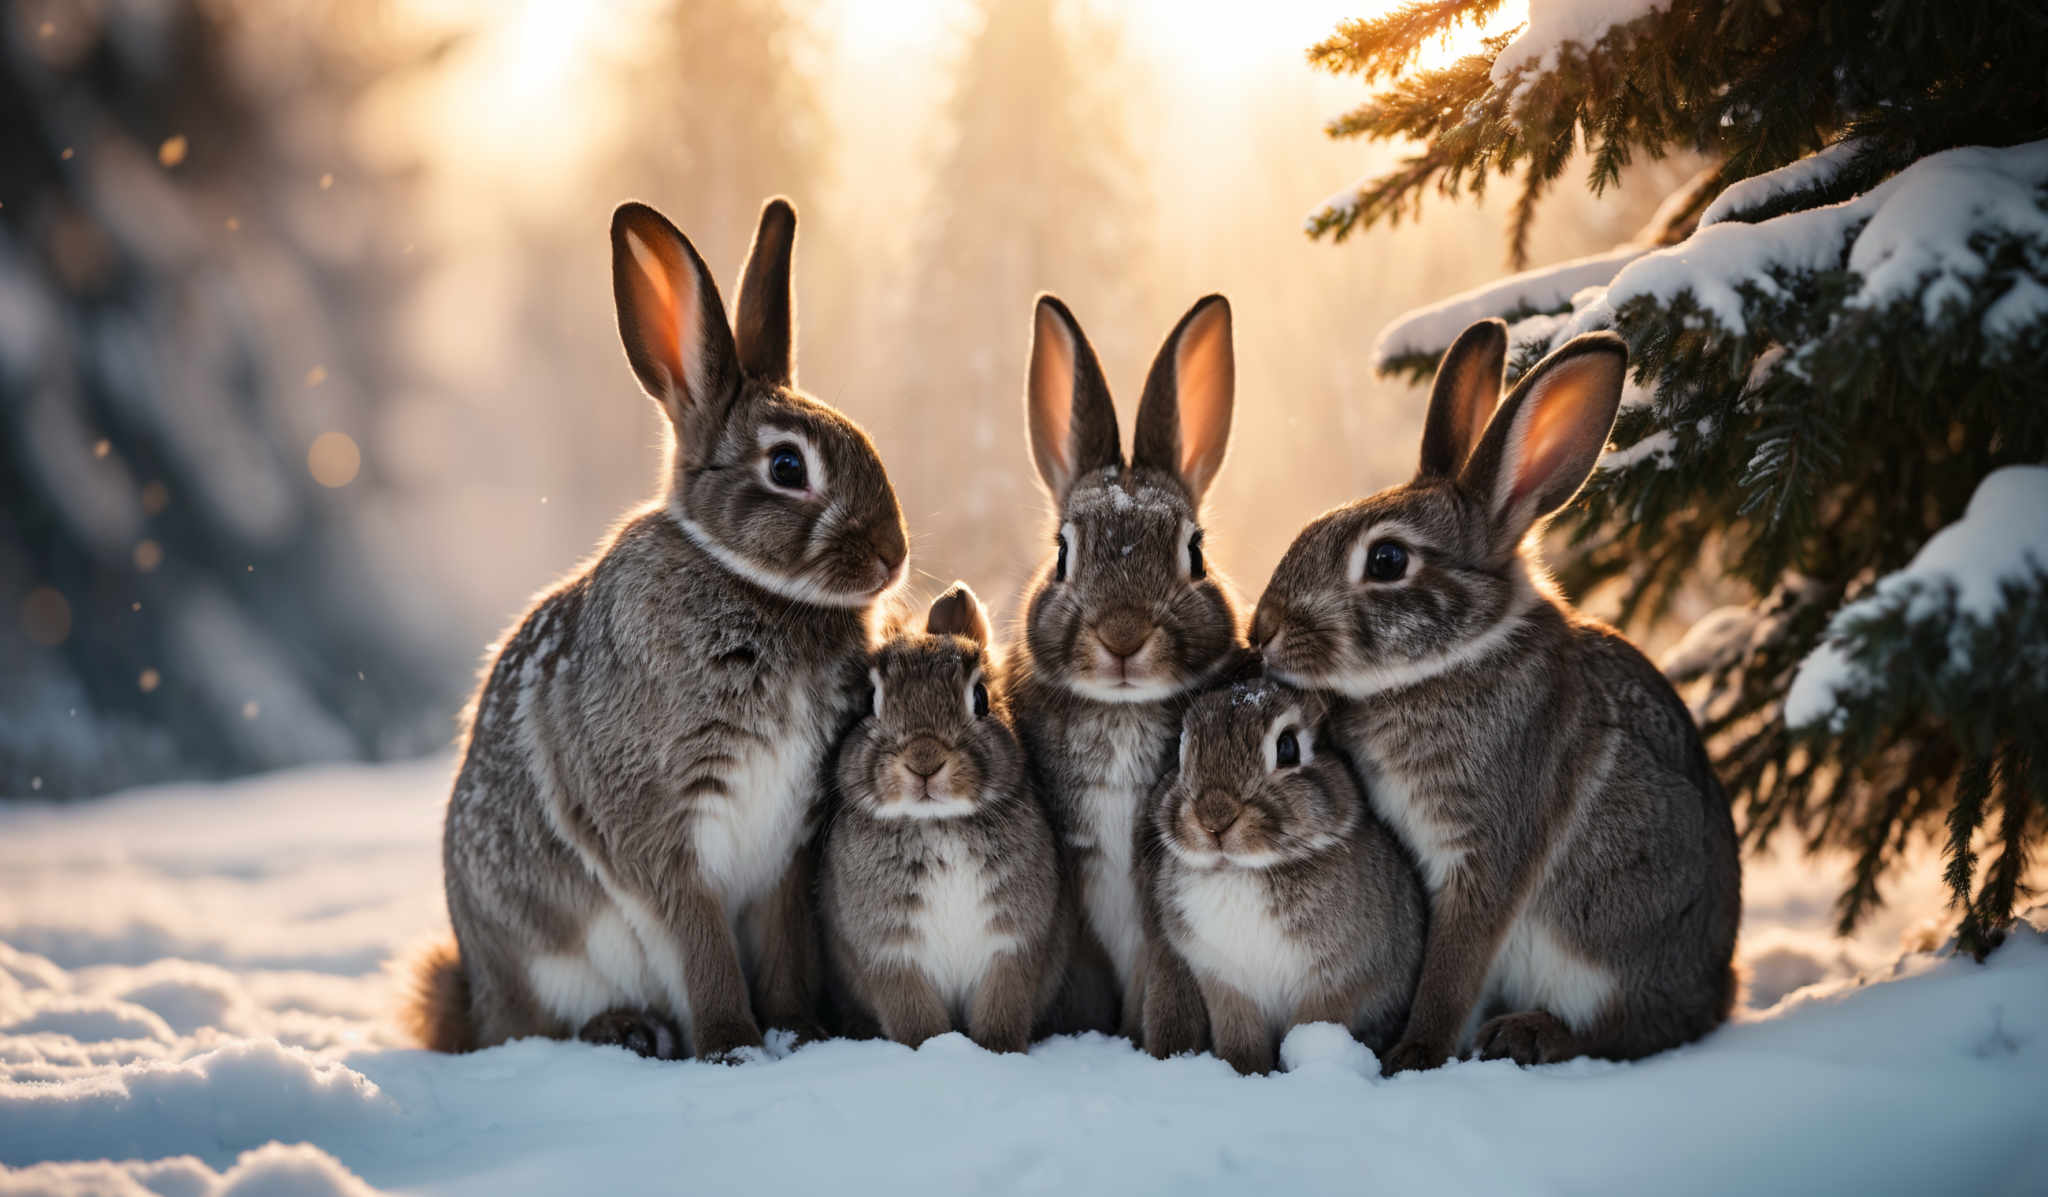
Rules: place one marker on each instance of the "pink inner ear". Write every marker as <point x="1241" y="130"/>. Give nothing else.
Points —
<point x="664" y="296"/>
<point x="1052" y="397"/>
<point x="1562" y="433"/>
<point x="1478" y="390"/>
<point x="666" y="311"/>
<point x="1205" y="376"/>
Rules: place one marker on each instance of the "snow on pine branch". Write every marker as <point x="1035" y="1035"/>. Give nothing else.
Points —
<point x="1963" y="230"/>
<point x="1426" y="332"/>
<point x="1552" y="23"/>
<point x="1961" y="581"/>
<point x="1811" y="173"/>
<point x="1917" y="231"/>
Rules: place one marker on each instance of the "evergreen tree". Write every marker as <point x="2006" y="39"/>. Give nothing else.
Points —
<point x="189" y="358"/>
<point x="1840" y="399"/>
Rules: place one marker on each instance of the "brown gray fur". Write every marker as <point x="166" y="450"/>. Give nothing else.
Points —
<point x="1271" y="879"/>
<point x="1579" y="853"/>
<point x="625" y="844"/>
<point x="940" y="887"/>
<point x="1124" y="620"/>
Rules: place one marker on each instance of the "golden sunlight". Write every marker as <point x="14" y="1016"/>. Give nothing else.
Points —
<point x="1226" y="36"/>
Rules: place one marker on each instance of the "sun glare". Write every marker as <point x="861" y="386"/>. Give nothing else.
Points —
<point x="869" y="29"/>
<point x="541" y="44"/>
<point x="521" y="99"/>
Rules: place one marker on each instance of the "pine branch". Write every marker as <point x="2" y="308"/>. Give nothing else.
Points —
<point x="1375" y="47"/>
<point x="1984" y="926"/>
<point x="1755" y="83"/>
<point x="1972" y="788"/>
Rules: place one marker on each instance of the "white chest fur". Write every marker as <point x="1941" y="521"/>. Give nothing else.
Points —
<point x="744" y="841"/>
<point x="1112" y="897"/>
<point x="950" y="940"/>
<point x="746" y="838"/>
<point x="1108" y="809"/>
<point x="1234" y="937"/>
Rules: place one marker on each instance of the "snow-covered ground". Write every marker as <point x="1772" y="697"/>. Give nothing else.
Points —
<point x="192" y="986"/>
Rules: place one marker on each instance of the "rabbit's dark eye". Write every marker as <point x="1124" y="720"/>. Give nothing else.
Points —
<point x="1287" y="750"/>
<point x="786" y="468"/>
<point x="1386" y="561"/>
<point x="1059" y="568"/>
<point x="1197" y="568"/>
<point x="980" y="698"/>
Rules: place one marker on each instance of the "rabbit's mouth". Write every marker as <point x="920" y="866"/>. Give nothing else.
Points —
<point x="1205" y="853"/>
<point x="1125" y="689"/>
<point x="1297" y="650"/>
<point x="1124" y="665"/>
<point x="1280" y="668"/>
<point x="926" y="807"/>
<point x="925" y="782"/>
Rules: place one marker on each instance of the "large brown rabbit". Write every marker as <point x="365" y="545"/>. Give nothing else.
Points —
<point x="1124" y="621"/>
<point x="626" y="843"/>
<point x="1579" y="854"/>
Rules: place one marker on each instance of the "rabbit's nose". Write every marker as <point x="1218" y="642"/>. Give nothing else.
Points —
<point x="1266" y="623"/>
<point x="889" y="546"/>
<point x="1216" y="811"/>
<point x="886" y="544"/>
<point x="924" y="757"/>
<point x="1123" y="632"/>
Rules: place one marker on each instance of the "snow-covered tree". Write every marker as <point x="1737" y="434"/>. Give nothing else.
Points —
<point x="1839" y="334"/>
<point x="191" y="277"/>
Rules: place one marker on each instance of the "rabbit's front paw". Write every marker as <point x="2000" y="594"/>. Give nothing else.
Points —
<point x="727" y="1042"/>
<point x="1007" y="1040"/>
<point x="1531" y="1037"/>
<point x="1166" y="1042"/>
<point x="1414" y="1055"/>
<point x="641" y="1032"/>
<point x="802" y="1030"/>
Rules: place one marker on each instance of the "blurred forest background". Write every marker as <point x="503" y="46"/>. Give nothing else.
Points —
<point x="309" y="375"/>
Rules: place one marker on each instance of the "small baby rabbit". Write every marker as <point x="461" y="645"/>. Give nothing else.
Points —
<point x="1124" y="619"/>
<point x="940" y="885"/>
<point x="625" y="844"/>
<point x="1287" y="899"/>
<point x="1579" y="853"/>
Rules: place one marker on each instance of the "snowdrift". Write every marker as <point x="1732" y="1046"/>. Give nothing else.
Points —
<point x="193" y="1001"/>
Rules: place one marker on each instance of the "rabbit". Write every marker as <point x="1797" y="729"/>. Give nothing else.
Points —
<point x="1122" y="622"/>
<point x="626" y="844"/>
<point x="1579" y="853"/>
<point x="939" y="884"/>
<point x="1272" y="880"/>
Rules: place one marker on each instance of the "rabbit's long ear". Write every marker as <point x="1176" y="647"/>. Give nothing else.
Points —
<point x="766" y="328"/>
<point x="958" y="612"/>
<point x="1466" y="390"/>
<point x="1066" y="403"/>
<point x="1184" y="418"/>
<point x="1547" y="435"/>
<point x="670" y="318"/>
